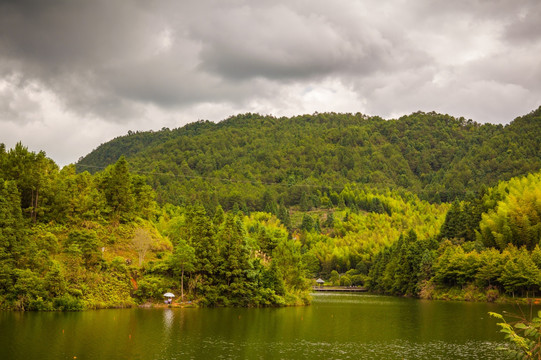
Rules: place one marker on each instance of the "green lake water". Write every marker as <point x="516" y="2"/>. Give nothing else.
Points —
<point x="335" y="326"/>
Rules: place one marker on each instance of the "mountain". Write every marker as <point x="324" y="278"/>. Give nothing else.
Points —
<point x="339" y="193"/>
<point x="249" y="159"/>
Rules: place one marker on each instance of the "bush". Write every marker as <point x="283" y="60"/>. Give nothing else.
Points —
<point x="335" y="277"/>
<point x="471" y="293"/>
<point x="345" y="281"/>
<point x="492" y="294"/>
<point x="358" y="280"/>
<point x="67" y="303"/>
<point x="39" y="304"/>
<point x="427" y="290"/>
<point x="151" y="287"/>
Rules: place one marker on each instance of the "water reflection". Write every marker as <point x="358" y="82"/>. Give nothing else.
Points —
<point x="335" y="326"/>
<point x="168" y="319"/>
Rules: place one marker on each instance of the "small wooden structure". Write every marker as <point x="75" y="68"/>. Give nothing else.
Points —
<point x="320" y="281"/>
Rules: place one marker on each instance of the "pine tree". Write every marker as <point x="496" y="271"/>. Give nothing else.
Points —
<point x="235" y="262"/>
<point x="200" y="234"/>
<point x="452" y="224"/>
<point x="117" y="187"/>
<point x="283" y="216"/>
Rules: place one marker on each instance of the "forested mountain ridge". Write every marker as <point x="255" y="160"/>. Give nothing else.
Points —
<point x="236" y="161"/>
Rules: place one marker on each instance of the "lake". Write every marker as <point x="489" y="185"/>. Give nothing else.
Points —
<point x="335" y="326"/>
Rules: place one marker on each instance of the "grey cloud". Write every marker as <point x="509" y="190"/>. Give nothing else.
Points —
<point x="516" y="67"/>
<point x="478" y="10"/>
<point x="17" y="106"/>
<point x="280" y="42"/>
<point x="526" y="26"/>
<point x="114" y="59"/>
<point x="69" y="46"/>
<point x="62" y="36"/>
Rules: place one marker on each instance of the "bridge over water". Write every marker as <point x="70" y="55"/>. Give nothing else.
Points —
<point x="340" y="288"/>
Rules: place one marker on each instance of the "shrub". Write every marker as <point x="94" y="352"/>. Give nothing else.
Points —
<point x="39" y="304"/>
<point x="151" y="287"/>
<point x="345" y="281"/>
<point x="524" y="346"/>
<point x="67" y="303"/>
<point x="492" y="294"/>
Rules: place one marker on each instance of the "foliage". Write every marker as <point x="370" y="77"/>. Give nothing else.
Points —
<point x="103" y="242"/>
<point x="252" y="206"/>
<point x="499" y="261"/>
<point x="516" y="217"/>
<point x="523" y="335"/>
<point x="356" y="237"/>
<point x="257" y="162"/>
<point x="142" y="241"/>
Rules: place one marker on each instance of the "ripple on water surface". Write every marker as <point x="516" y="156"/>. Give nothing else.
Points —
<point x="322" y="350"/>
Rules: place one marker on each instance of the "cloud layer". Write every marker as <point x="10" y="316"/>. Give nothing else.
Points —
<point x="76" y="74"/>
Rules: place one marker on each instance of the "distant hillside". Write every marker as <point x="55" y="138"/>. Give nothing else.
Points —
<point x="251" y="160"/>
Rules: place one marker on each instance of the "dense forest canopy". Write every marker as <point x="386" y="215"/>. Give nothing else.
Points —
<point x="245" y="212"/>
<point x="438" y="157"/>
<point x="488" y="245"/>
<point x="70" y="241"/>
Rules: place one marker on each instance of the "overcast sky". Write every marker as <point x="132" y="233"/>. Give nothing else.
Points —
<point x="75" y="74"/>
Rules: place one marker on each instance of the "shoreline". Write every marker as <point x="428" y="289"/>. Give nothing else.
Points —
<point x="188" y="305"/>
<point x="499" y="300"/>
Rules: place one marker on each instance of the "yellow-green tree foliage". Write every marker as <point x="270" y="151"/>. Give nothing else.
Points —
<point x="516" y="218"/>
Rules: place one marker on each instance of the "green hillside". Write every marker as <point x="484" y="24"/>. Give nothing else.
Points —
<point x="247" y="211"/>
<point x="297" y="160"/>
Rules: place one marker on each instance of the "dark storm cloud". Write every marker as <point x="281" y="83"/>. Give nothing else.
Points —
<point x="63" y="36"/>
<point x="67" y="45"/>
<point x="210" y="49"/>
<point x="280" y="43"/>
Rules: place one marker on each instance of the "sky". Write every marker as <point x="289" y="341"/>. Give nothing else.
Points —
<point x="76" y="74"/>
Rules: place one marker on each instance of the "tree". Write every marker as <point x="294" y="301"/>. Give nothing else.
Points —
<point x="11" y="220"/>
<point x="235" y="264"/>
<point x="200" y="235"/>
<point x="491" y="263"/>
<point x="33" y="174"/>
<point x="345" y="280"/>
<point x="283" y="215"/>
<point x="329" y="222"/>
<point x="273" y="279"/>
<point x="515" y="217"/>
<point x="117" y="186"/>
<point x="183" y="260"/>
<point x="335" y="277"/>
<point x="86" y="242"/>
<point x="142" y="242"/>
<point x="55" y="281"/>
<point x="453" y="222"/>
<point x="307" y="223"/>
<point x="520" y="273"/>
